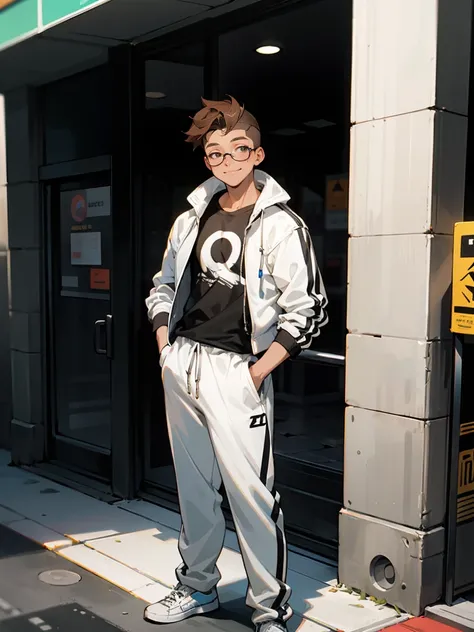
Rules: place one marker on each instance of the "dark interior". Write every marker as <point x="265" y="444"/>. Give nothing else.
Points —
<point x="303" y="110"/>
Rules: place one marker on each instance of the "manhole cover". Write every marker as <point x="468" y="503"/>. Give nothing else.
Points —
<point x="59" y="578"/>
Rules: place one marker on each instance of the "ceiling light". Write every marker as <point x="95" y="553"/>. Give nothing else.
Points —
<point x="155" y="95"/>
<point x="268" y="50"/>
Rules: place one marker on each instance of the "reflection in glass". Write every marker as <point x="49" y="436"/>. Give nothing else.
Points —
<point x="83" y="379"/>
<point x="305" y="139"/>
<point x="171" y="172"/>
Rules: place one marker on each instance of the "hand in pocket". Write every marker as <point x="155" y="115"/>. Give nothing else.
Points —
<point x="257" y="380"/>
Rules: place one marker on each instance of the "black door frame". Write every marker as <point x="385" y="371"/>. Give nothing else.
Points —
<point x="127" y="86"/>
<point x="63" y="450"/>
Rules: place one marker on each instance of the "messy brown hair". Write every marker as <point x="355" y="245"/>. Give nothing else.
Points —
<point x="219" y="115"/>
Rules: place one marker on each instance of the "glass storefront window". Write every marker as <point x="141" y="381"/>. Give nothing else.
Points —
<point x="174" y="85"/>
<point x="76" y="118"/>
<point x="300" y="98"/>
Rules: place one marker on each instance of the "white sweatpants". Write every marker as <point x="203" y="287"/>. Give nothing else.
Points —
<point x="221" y="430"/>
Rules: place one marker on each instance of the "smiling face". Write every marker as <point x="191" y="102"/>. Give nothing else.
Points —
<point x="232" y="157"/>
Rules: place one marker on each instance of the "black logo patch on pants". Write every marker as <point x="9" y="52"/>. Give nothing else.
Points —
<point x="256" y="421"/>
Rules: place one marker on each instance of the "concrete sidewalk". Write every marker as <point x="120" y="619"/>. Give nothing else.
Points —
<point x="42" y="592"/>
<point x="133" y="545"/>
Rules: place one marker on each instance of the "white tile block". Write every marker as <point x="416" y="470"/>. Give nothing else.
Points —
<point x="102" y="566"/>
<point x="154" y="553"/>
<point x="398" y="376"/>
<point x="403" y="61"/>
<point x="389" y="39"/>
<point x="398" y="286"/>
<point x="407" y="174"/>
<point x="41" y="535"/>
<point x="416" y="556"/>
<point x="413" y="490"/>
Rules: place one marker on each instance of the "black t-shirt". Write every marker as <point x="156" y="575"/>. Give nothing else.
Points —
<point x="213" y="314"/>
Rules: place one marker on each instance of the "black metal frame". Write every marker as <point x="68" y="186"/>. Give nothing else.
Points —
<point x="451" y="522"/>
<point x="121" y="462"/>
<point x="128" y="84"/>
<point x="459" y="512"/>
<point x="64" y="449"/>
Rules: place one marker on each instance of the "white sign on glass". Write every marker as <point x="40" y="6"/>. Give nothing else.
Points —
<point x="86" y="249"/>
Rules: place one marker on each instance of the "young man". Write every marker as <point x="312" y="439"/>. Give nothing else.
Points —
<point x="238" y="293"/>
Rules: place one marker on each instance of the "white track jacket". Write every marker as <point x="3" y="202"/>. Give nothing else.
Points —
<point x="284" y="289"/>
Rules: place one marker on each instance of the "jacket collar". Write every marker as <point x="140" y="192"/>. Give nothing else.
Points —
<point x="272" y="193"/>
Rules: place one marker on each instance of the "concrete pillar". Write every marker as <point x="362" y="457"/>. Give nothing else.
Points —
<point x="5" y="382"/>
<point x="408" y="147"/>
<point x="24" y="213"/>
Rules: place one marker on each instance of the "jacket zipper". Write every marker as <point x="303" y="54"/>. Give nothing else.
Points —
<point x="244" y="258"/>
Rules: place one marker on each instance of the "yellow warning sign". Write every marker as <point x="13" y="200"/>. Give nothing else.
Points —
<point x="462" y="314"/>
<point x="337" y="194"/>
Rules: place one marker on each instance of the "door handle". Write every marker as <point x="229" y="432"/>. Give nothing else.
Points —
<point x="109" y="336"/>
<point x="98" y="337"/>
<point x="103" y="334"/>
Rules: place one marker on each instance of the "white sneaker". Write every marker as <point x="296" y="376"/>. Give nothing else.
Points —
<point x="182" y="602"/>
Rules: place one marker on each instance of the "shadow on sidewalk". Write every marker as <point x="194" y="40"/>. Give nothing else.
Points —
<point x="12" y="544"/>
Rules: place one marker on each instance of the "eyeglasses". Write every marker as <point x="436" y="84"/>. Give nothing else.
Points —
<point x="239" y="154"/>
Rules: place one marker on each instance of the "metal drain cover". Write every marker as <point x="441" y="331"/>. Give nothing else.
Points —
<point x="59" y="578"/>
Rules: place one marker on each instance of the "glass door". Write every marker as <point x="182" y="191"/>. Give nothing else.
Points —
<point x="81" y="340"/>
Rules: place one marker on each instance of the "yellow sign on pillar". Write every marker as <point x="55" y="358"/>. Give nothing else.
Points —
<point x="337" y="194"/>
<point x="462" y="313"/>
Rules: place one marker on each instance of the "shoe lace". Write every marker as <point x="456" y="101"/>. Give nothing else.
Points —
<point x="179" y="592"/>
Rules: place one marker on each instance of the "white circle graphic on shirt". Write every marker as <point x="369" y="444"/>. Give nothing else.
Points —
<point x="222" y="271"/>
